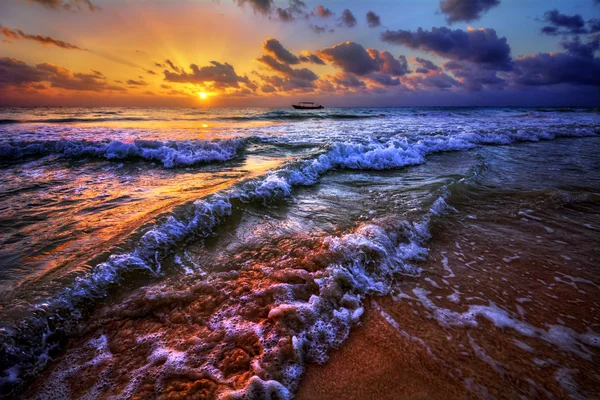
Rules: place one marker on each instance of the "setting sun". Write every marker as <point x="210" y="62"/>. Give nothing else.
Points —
<point x="202" y="95"/>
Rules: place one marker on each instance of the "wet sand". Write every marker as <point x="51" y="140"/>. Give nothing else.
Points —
<point x="377" y="362"/>
<point x="498" y="313"/>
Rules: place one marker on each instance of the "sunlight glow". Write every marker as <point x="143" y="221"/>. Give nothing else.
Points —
<point x="202" y="95"/>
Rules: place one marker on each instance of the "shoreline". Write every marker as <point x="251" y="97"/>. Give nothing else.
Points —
<point x="488" y="318"/>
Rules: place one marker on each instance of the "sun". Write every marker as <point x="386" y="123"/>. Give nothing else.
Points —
<point x="202" y="95"/>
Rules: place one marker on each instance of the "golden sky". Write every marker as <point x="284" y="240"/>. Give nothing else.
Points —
<point x="266" y="53"/>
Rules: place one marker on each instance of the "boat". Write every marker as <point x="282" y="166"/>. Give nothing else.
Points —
<point x="308" y="105"/>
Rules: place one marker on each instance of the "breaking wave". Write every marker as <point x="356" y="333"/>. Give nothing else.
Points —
<point x="363" y="262"/>
<point x="170" y="154"/>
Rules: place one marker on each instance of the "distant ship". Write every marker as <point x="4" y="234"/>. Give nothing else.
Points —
<point x="308" y="105"/>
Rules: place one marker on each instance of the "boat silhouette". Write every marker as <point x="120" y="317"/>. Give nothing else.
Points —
<point x="307" y="105"/>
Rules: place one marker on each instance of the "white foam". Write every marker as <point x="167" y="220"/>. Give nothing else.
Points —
<point x="560" y="336"/>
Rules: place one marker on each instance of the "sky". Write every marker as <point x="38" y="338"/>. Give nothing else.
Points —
<point x="268" y="53"/>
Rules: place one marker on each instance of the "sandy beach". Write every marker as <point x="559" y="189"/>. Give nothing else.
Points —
<point x="505" y="319"/>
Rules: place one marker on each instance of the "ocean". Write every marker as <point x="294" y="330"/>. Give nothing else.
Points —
<point x="205" y="253"/>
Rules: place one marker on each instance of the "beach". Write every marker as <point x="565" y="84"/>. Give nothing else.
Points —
<point x="401" y="253"/>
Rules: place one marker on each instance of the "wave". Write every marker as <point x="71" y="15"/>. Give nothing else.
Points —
<point x="73" y="120"/>
<point x="170" y="153"/>
<point x="283" y="115"/>
<point x="26" y="351"/>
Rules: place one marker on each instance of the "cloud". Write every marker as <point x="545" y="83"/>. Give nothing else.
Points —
<point x="289" y="79"/>
<point x="286" y="83"/>
<point x="425" y="66"/>
<point x="323" y="12"/>
<point x="150" y="72"/>
<point x="137" y="83"/>
<point x="466" y="10"/>
<point x="480" y="46"/>
<point x="222" y="75"/>
<point x="63" y="78"/>
<point x="563" y="24"/>
<point x="582" y="49"/>
<point x="347" y="19"/>
<point x="17" y="72"/>
<point x="174" y="67"/>
<point x="69" y="5"/>
<point x="576" y="66"/>
<point x="350" y="57"/>
<point x="292" y="12"/>
<point x="346" y="80"/>
<point x="388" y="64"/>
<point x="353" y="58"/>
<point x="383" y="79"/>
<point x="318" y="29"/>
<point x="275" y="48"/>
<point x="438" y="80"/>
<point x="14" y="72"/>
<point x="268" y="89"/>
<point x="473" y="77"/>
<point x="260" y="6"/>
<point x="307" y="56"/>
<point x="557" y="68"/>
<point x="274" y="65"/>
<point x="373" y="20"/>
<point x="18" y="34"/>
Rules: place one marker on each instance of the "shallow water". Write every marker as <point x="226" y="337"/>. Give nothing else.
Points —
<point x="219" y="252"/>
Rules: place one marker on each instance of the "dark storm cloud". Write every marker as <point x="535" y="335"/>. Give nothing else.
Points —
<point x="71" y="5"/>
<point x="425" y="66"/>
<point x="466" y="10"/>
<point x="223" y="75"/>
<point x="260" y="6"/>
<point x="373" y="20"/>
<point x="347" y="19"/>
<point x="480" y="46"/>
<point x="563" y="24"/>
<point x="18" y="34"/>
<point x="322" y="12"/>
<point x="15" y="72"/>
